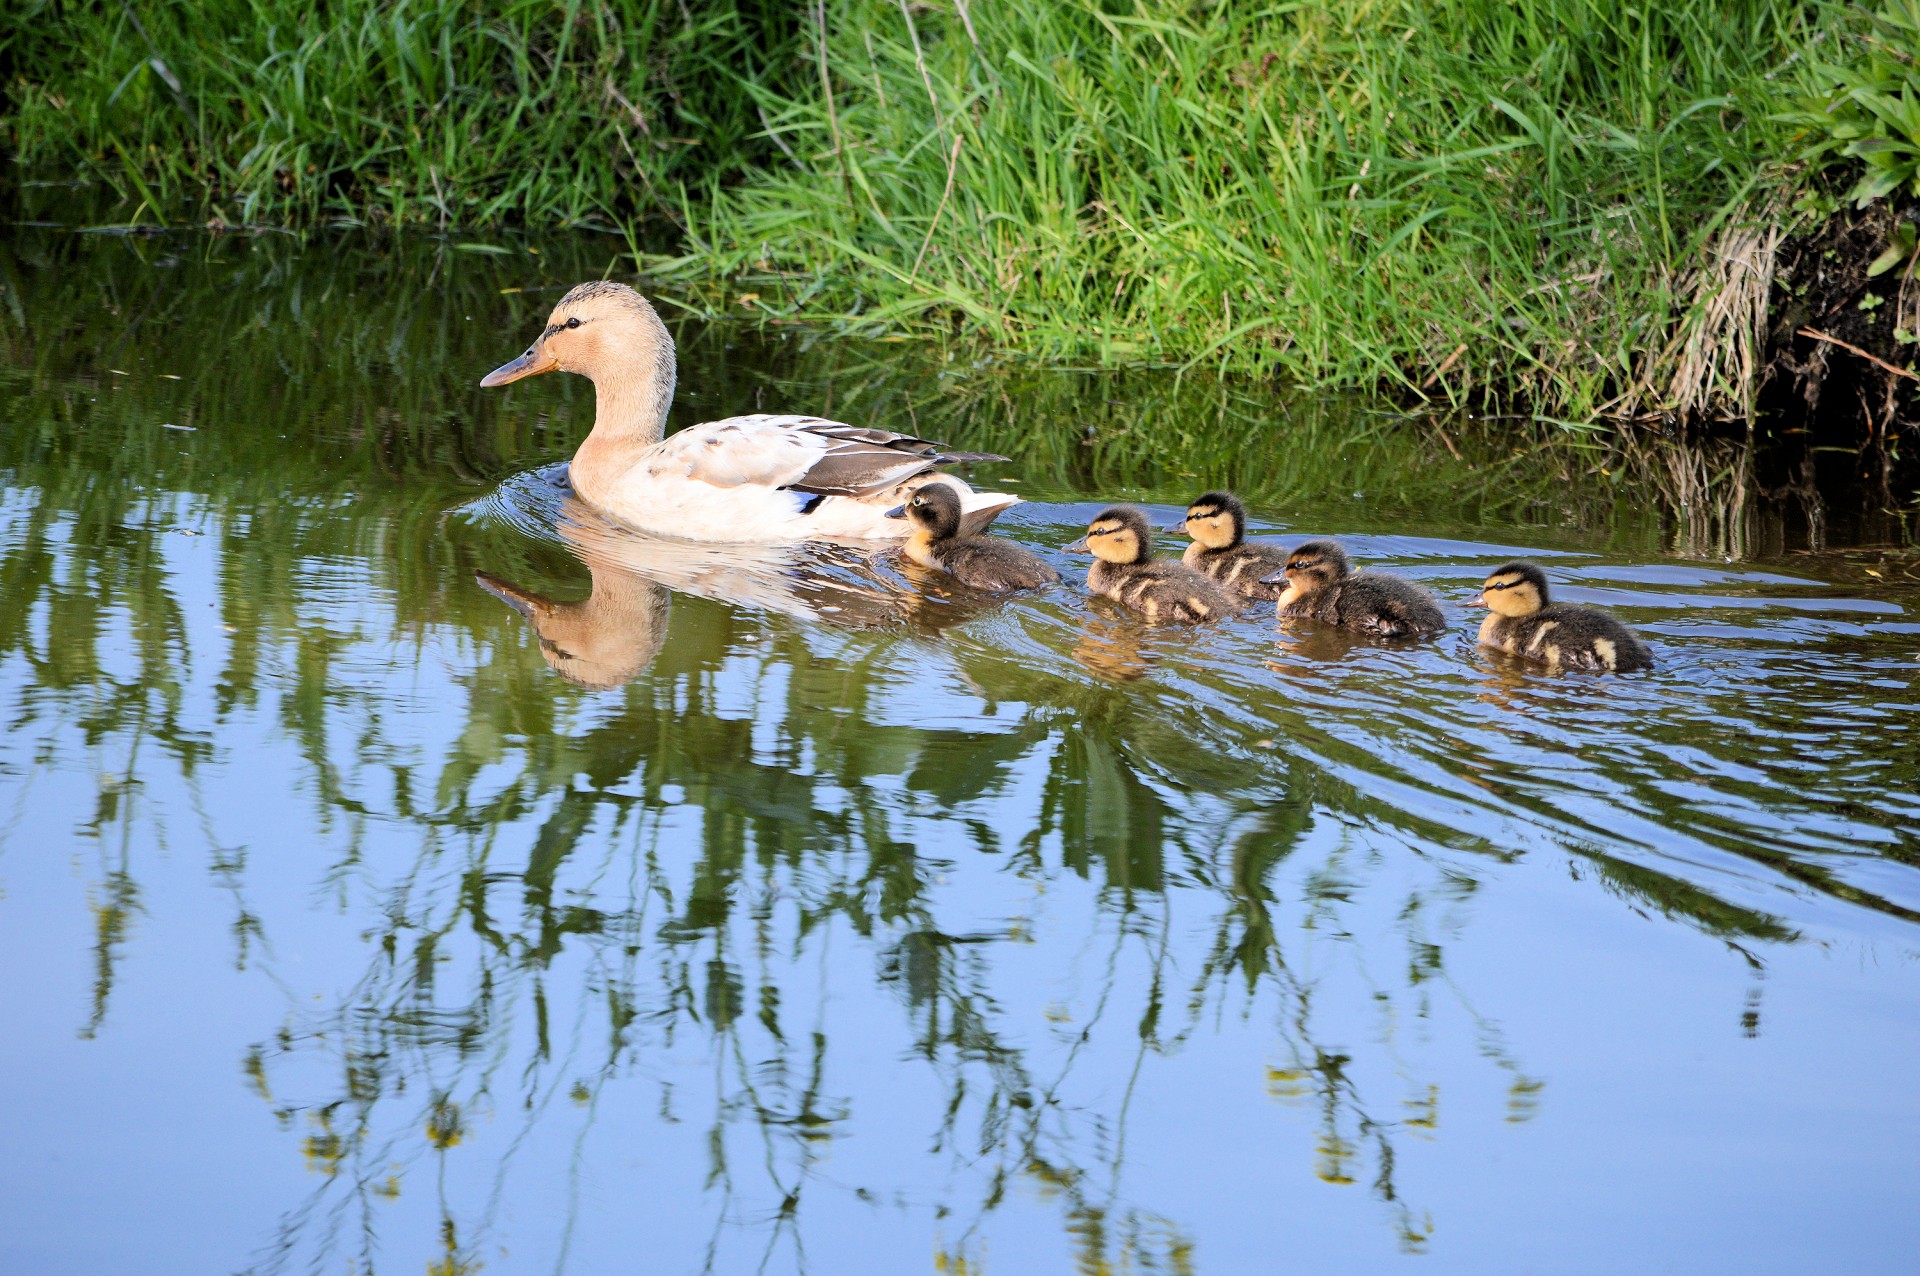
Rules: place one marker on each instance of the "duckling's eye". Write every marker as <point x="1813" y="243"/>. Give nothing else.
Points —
<point x="574" y="322"/>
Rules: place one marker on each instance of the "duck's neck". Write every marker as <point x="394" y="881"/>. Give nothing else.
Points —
<point x="631" y="398"/>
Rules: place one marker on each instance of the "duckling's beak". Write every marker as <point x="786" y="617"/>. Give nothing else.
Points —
<point x="530" y="605"/>
<point x="1079" y="547"/>
<point x="1178" y="529"/>
<point x="531" y="364"/>
<point x="898" y="511"/>
<point x="1275" y="578"/>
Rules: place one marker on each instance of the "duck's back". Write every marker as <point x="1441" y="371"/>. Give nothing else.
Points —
<point x="985" y="562"/>
<point x="1387" y="605"/>
<point x="772" y="478"/>
<point x="1162" y="590"/>
<point x="1588" y="638"/>
<point x="1567" y="636"/>
<point x="1239" y="568"/>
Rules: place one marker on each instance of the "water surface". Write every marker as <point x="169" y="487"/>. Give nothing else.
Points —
<point x="710" y="911"/>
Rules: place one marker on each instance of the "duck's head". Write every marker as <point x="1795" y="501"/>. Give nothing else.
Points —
<point x="933" y="508"/>
<point x="1217" y="520"/>
<point x="1518" y="589"/>
<point x="599" y="330"/>
<point x="1117" y="535"/>
<point x="1314" y="566"/>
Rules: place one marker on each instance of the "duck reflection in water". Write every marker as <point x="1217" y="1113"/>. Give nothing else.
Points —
<point x="612" y="635"/>
<point x="604" y="640"/>
<point x="1113" y="649"/>
<point x="1309" y="642"/>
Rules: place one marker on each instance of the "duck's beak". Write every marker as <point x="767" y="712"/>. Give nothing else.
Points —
<point x="531" y="364"/>
<point x="898" y="511"/>
<point x="1079" y="547"/>
<point x="1274" y="578"/>
<point x="1178" y="529"/>
<point x="530" y="605"/>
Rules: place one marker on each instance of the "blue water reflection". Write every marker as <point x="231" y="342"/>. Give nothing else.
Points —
<point x="400" y="869"/>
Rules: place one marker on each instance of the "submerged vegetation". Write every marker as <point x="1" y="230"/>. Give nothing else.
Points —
<point x="1564" y="208"/>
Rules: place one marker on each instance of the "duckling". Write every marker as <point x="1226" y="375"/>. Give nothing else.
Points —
<point x="1322" y="585"/>
<point x="1218" y="524"/>
<point x="982" y="562"/>
<point x="1120" y="540"/>
<point x="1524" y="623"/>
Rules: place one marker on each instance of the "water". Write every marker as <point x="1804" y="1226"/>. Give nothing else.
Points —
<point x="814" y="918"/>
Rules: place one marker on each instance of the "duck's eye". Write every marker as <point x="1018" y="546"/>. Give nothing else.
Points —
<point x="574" y="322"/>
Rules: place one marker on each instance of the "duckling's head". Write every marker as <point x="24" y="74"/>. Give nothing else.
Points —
<point x="934" y="508"/>
<point x="602" y="330"/>
<point x="1518" y="589"/>
<point x="1315" y="565"/>
<point x="1217" y="520"/>
<point x="1117" y="535"/>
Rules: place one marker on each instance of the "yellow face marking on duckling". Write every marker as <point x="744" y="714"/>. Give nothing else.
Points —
<point x="1510" y="595"/>
<point x="1209" y="525"/>
<point x="1113" y="542"/>
<point x="1302" y="579"/>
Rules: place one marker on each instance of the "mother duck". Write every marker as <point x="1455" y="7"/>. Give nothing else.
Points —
<point x="745" y="478"/>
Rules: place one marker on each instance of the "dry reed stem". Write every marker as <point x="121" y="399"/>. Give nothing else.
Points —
<point x="833" y="118"/>
<point x="1720" y="349"/>
<point x="953" y="165"/>
<point x="1818" y="335"/>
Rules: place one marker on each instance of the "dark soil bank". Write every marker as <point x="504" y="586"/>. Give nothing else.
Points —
<point x="1841" y="380"/>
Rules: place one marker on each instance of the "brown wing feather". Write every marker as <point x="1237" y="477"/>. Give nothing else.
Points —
<point x="864" y="460"/>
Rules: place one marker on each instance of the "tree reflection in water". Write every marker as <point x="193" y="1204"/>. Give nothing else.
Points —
<point x="791" y="856"/>
<point x="697" y="849"/>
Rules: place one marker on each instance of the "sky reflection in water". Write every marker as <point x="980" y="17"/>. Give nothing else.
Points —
<point x="820" y="918"/>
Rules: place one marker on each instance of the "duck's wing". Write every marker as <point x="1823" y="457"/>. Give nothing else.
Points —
<point x="804" y="454"/>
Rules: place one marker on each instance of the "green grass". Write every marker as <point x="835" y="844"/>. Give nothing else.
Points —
<point x="1348" y="193"/>
<point x="1504" y="202"/>
<point x="416" y="112"/>
<point x="1863" y="103"/>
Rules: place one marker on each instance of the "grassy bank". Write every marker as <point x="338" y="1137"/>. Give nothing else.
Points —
<point x="1561" y="207"/>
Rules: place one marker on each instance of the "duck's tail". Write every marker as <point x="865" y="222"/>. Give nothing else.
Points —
<point x="979" y="509"/>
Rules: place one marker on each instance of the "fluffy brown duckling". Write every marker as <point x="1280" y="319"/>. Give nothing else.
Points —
<point x="1564" y="636"/>
<point x="1322" y="585"/>
<point x="982" y="562"/>
<point x="1121" y="542"/>
<point x="1218" y="524"/>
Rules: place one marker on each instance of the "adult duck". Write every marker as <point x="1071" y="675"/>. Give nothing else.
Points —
<point x="746" y="478"/>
